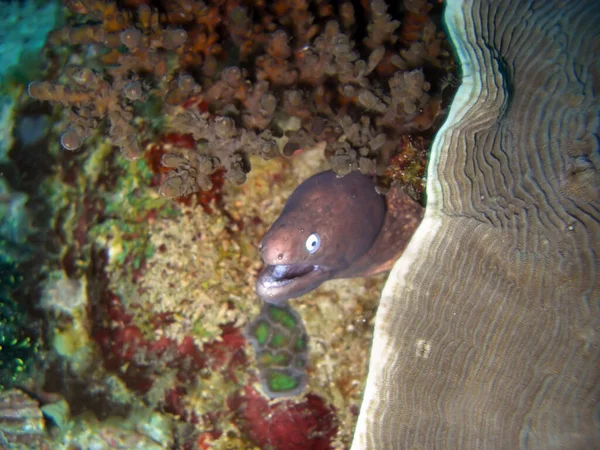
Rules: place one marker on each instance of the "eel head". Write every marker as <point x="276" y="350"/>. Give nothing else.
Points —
<point x="327" y="224"/>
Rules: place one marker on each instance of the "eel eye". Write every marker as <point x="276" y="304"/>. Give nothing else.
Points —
<point x="313" y="242"/>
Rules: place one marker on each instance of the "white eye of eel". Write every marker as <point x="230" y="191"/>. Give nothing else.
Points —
<point x="313" y="242"/>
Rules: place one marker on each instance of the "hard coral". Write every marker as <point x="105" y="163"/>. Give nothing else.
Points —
<point x="263" y="78"/>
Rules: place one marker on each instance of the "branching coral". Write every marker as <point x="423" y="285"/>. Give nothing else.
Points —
<point x="248" y="78"/>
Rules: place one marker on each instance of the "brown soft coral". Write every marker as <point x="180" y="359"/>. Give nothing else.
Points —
<point x="275" y="66"/>
<point x="126" y="74"/>
<point x="240" y="78"/>
<point x="90" y="99"/>
<point x="219" y="145"/>
<point x="381" y="27"/>
<point x="410" y="107"/>
<point x="357" y="147"/>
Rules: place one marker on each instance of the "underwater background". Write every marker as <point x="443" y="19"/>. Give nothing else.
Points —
<point x="145" y="149"/>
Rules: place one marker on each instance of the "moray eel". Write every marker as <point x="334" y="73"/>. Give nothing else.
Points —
<point x="334" y="227"/>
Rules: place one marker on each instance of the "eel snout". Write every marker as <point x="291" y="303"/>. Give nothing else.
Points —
<point x="278" y="283"/>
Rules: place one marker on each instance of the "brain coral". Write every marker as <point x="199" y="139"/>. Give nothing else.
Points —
<point x="487" y="331"/>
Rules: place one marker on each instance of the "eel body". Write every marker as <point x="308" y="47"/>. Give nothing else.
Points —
<point x="334" y="227"/>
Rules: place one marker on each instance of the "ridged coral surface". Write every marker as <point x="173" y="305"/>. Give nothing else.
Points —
<point x="487" y="331"/>
<point x="21" y="421"/>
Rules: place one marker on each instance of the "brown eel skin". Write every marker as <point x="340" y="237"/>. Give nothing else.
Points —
<point x="334" y="227"/>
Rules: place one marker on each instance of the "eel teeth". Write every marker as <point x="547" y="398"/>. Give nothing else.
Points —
<point x="282" y="272"/>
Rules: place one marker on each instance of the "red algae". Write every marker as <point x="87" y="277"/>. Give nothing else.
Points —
<point x="222" y="353"/>
<point x="308" y="425"/>
<point x="125" y="349"/>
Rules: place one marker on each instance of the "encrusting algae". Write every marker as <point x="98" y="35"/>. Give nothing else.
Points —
<point x="147" y="289"/>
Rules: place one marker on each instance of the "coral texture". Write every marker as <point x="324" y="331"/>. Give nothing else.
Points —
<point x="21" y="422"/>
<point x="18" y="341"/>
<point x="247" y="79"/>
<point x="144" y="298"/>
<point x="487" y="329"/>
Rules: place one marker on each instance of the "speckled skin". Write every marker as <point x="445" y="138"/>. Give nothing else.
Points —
<point x="362" y="233"/>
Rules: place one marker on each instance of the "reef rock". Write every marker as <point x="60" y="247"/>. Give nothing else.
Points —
<point x="21" y="421"/>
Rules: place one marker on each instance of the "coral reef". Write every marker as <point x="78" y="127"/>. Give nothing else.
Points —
<point x="22" y="424"/>
<point x="247" y="79"/>
<point x="163" y="328"/>
<point x="145" y="299"/>
<point x="493" y="310"/>
<point x="281" y="346"/>
<point x="17" y="340"/>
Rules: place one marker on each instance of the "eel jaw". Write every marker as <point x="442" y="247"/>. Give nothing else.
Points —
<point x="278" y="283"/>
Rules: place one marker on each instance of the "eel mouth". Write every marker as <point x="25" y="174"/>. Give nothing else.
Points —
<point x="280" y="282"/>
<point x="281" y="274"/>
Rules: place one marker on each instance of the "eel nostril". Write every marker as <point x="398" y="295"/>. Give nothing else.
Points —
<point x="280" y="256"/>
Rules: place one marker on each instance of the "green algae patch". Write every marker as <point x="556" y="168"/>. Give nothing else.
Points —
<point x="17" y="345"/>
<point x="200" y="332"/>
<point x="131" y="199"/>
<point x="127" y="242"/>
<point x="262" y="333"/>
<point x="280" y="342"/>
<point x="281" y="382"/>
<point x="132" y="207"/>
<point x="281" y="316"/>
